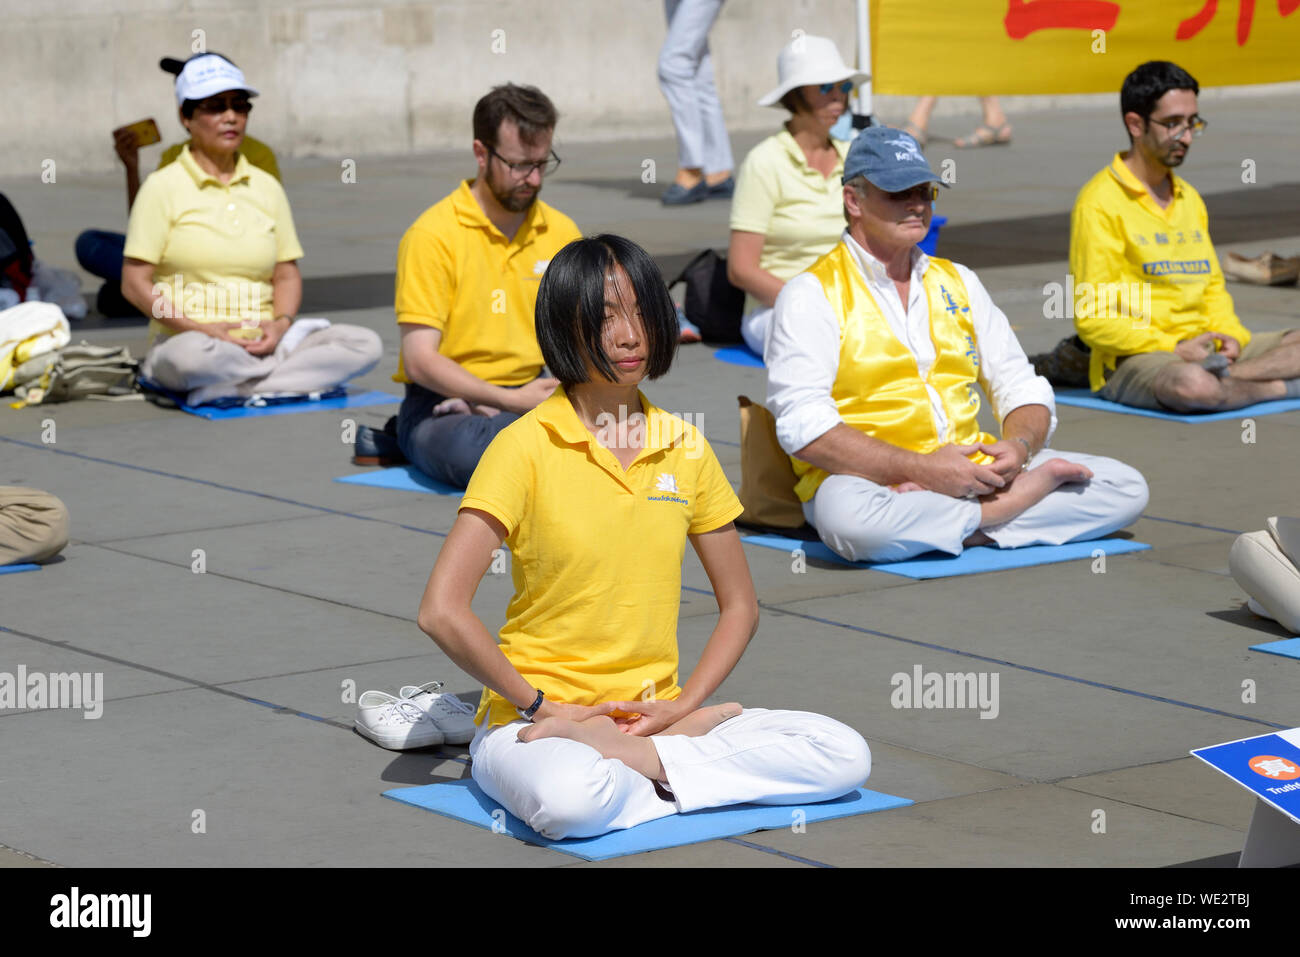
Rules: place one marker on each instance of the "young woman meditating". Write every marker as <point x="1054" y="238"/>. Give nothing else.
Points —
<point x="583" y="727"/>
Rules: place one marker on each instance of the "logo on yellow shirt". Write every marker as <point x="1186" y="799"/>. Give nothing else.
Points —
<point x="666" y="483"/>
<point x="539" y="267"/>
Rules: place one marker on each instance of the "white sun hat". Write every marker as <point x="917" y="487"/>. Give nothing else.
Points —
<point x="204" y="76"/>
<point x="809" y="61"/>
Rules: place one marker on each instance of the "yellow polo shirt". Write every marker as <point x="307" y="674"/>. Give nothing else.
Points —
<point x="799" y="212"/>
<point x="1120" y="235"/>
<point x="458" y="273"/>
<point x="213" y="245"/>
<point x="596" y="551"/>
<point x="258" y="153"/>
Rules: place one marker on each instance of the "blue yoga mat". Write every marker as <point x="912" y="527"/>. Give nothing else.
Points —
<point x="739" y="356"/>
<point x="289" y="408"/>
<point x="973" y="561"/>
<point x="465" y="801"/>
<point x="14" y="569"/>
<point x="404" y="478"/>
<point x="1083" y="399"/>
<point x="1287" y="647"/>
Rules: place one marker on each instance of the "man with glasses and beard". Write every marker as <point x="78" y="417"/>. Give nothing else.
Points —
<point x="1137" y="227"/>
<point x="467" y="277"/>
<point x="876" y="359"/>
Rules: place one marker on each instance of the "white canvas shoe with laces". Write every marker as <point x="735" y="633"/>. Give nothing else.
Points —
<point x="395" y="723"/>
<point x="454" y="718"/>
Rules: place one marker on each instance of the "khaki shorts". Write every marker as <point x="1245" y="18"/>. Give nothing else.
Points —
<point x="1133" y="381"/>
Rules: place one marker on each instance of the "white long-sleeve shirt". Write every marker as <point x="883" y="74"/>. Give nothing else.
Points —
<point x="803" y="350"/>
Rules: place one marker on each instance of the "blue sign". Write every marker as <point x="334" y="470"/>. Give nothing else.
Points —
<point x="1268" y="765"/>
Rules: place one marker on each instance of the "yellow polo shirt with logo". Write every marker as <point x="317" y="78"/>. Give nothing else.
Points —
<point x="457" y="273"/>
<point x="596" y="551"/>
<point x="1119" y="234"/>
<point x="799" y="212"/>
<point x="213" y="245"/>
<point x="258" y="153"/>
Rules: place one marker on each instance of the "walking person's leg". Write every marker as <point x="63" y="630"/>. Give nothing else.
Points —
<point x="685" y="48"/>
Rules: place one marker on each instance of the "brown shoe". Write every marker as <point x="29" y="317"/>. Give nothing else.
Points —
<point x="1266" y="269"/>
<point x="1066" y="365"/>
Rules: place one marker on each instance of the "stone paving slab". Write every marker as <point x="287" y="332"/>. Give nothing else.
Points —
<point x="1096" y="627"/>
<point x="1186" y="787"/>
<point x="1035" y="825"/>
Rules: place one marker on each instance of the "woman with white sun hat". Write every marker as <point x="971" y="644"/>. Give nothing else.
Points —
<point x="787" y="211"/>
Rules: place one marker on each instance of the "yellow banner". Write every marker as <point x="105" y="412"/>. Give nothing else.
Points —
<point x="983" y="47"/>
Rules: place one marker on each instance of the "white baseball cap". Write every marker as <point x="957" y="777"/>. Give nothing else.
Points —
<point x="809" y="61"/>
<point x="206" y="75"/>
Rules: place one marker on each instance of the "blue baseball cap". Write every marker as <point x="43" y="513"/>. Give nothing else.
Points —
<point x="890" y="159"/>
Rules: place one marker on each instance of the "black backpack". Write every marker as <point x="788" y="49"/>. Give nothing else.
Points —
<point x="711" y="301"/>
<point x="15" y="249"/>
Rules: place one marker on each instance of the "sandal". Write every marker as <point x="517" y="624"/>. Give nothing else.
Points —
<point x="916" y="133"/>
<point x="984" y="136"/>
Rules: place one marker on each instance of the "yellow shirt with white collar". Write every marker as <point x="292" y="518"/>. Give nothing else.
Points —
<point x="213" y="245"/>
<point x="798" y="211"/>
<point x="258" y="153"/>
<point x="596" y="551"/>
<point x="1123" y="243"/>
<point x="457" y="273"/>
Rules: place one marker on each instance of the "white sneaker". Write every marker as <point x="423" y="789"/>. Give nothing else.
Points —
<point x="395" y="723"/>
<point x="454" y="718"/>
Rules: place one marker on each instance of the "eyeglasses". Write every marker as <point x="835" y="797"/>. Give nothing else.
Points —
<point x="1177" y="128"/>
<point x="928" y="192"/>
<point x="524" y="170"/>
<point x="220" y="105"/>
<point x="845" y="87"/>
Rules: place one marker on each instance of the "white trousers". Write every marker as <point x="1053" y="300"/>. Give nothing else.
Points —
<point x="686" y="81"/>
<point x="562" y="788"/>
<point x="862" y="521"/>
<point x="754" y="326"/>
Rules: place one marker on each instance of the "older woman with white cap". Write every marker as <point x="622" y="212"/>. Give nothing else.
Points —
<point x="211" y="253"/>
<point x="787" y="211"/>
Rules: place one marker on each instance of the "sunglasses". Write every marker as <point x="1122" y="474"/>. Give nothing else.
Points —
<point x="845" y="87"/>
<point x="928" y="192"/>
<point x="221" y="104"/>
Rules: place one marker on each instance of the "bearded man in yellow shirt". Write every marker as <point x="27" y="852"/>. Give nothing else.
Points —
<point x="468" y="271"/>
<point x="1152" y="304"/>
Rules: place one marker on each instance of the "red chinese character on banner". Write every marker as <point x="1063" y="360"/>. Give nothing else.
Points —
<point x="1026" y="16"/>
<point x="1245" y="16"/>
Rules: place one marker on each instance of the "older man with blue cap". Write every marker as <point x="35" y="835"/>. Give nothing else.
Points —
<point x="877" y="356"/>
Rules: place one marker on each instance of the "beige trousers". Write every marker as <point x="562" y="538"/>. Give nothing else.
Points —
<point x="206" y="368"/>
<point x="33" y="525"/>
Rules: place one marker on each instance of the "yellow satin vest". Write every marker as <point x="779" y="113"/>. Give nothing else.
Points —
<point x="878" y="389"/>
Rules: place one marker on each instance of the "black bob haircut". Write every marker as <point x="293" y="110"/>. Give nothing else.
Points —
<point x="1144" y="86"/>
<point x="570" y="315"/>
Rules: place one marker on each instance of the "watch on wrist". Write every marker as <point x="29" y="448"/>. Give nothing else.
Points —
<point x="1029" y="453"/>
<point x="527" y="713"/>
